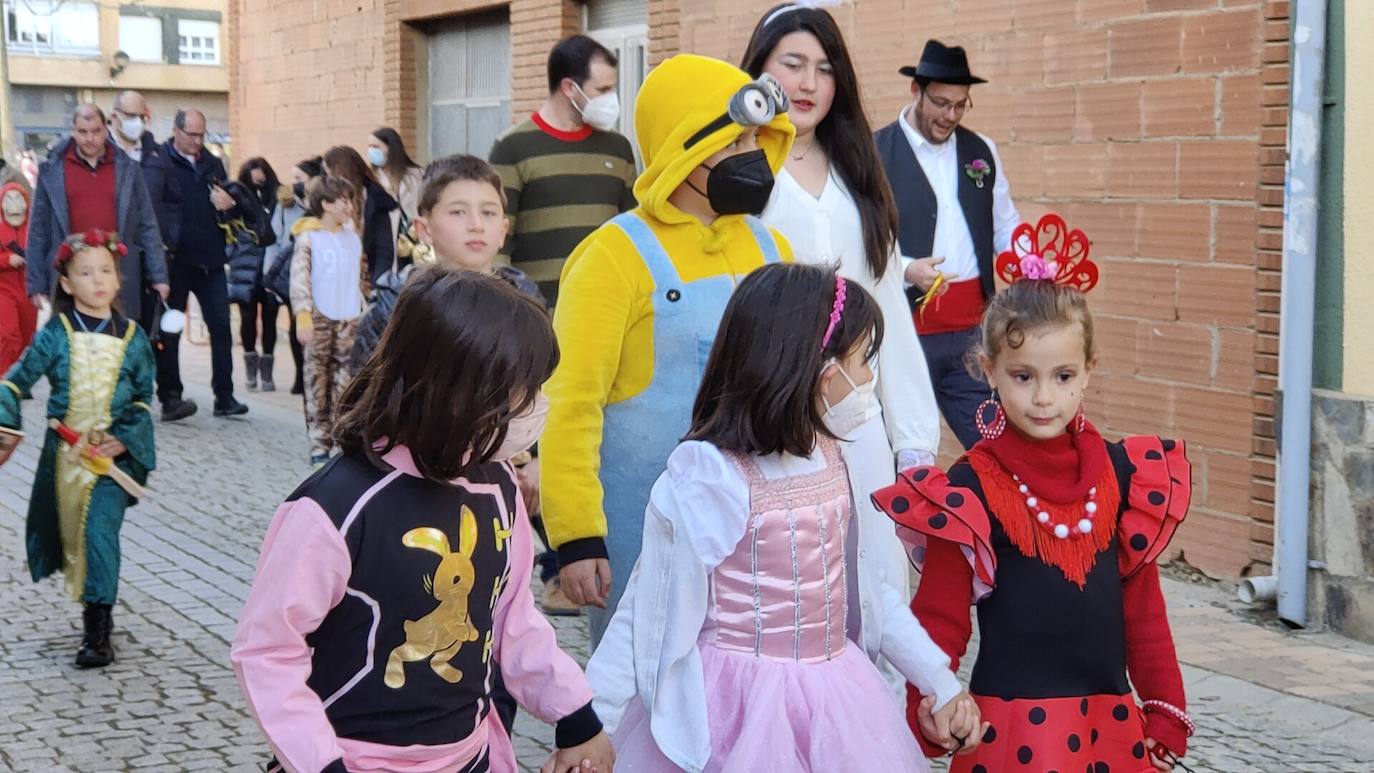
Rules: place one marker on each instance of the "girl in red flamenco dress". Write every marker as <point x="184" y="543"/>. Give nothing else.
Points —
<point x="1052" y="532"/>
<point x="18" y="317"/>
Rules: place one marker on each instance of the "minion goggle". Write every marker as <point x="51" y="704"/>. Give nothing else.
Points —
<point x="756" y="104"/>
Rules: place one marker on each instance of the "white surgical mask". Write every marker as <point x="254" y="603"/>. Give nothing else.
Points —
<point x="131" y="128"/>
<point x="376" y="156"/>
<point x="523" y="431"/>
<point x="601" y="112"/>
<point x="855" y="410"/>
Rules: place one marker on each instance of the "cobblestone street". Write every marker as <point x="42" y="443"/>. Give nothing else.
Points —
<point x="1264" y="699"/>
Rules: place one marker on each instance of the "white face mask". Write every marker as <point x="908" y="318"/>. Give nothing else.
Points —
<point x="131" y="128"/>
<point x="855" y="410"/>
<point x="601" y="112"/>
<point x="523" y="430"/>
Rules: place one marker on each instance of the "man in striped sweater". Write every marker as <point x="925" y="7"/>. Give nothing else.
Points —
<point x="565" y="169"/>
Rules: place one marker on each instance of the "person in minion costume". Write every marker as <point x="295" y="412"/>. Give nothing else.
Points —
<point x="639" y="303"/>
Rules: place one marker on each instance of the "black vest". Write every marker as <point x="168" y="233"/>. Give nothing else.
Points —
<point x="917" y="206"/>
<point x="396" y="596"/>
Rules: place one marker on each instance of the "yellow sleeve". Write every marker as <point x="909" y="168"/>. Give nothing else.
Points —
<point x="596" y="301"/>
<point x="784" y="247"/>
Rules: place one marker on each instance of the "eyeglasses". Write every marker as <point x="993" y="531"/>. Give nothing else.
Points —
<point x="946" y="106"/>
<point x="193" y="135"/>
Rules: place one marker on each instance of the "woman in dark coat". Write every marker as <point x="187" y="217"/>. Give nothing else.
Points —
<point x="249" y="259"/>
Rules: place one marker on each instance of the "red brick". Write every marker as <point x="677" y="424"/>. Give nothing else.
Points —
<point x="1226" y="481"/>
<point x="1112" y="227"/>
<point x="1075" y="55"/>
<point x="1127" y="404"/>
<point x="1164" y="6"/>
<point x="1180" y="106"/>
<point x="1137" y="288"/>
<point x="1024" y="166"/>
<point x="1218" y="170"/>
<point x="1116" y="340"/>
<point x="1240" y="105"/>
<point x="1044" y="115"/>
<point x="1075" y="171"/>
<point x="1099" y="11"/>
<point x="1176" y="231"/>
<point x="1108" y="111"/>
<point x="1044" y="14"/>
<point x="1177" y="352"/>
<point x="1222" y="41"/>
<point x="1217" y="294"/>
<point x="1218" y="544"/>
<point x="1146" y="170"/>
<point x="1234" y="233"/>
<point x="1214" y="419"/>
<point x="1145" y="47"/>
<point x="1235" y="360"/>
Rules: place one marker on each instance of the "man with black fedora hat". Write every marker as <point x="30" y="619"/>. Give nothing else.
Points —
<point x="956" y="213"/>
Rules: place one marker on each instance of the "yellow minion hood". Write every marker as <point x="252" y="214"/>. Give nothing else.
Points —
<point x="681" y="97"/>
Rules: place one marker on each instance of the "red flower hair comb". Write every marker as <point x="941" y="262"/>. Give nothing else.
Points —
<point x="93" y="238"/>
<point x="1048" y="250"/>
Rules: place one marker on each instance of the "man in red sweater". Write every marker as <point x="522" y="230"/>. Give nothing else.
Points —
<point x="85" y="184"/>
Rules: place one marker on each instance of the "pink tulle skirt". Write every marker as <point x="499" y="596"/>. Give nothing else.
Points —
<point x="769" y="716"/>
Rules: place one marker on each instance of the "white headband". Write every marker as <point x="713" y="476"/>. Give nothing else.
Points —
<point x="797" y="6"/>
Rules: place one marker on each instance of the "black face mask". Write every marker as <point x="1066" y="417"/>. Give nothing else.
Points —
<point x="740" y="185"/>
<point x="299" y="190"/>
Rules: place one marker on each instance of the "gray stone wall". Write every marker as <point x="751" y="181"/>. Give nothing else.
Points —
<point x="1341" y="591"/>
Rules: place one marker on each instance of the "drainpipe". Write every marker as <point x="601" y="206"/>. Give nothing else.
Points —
<point x="1300" y="209"/>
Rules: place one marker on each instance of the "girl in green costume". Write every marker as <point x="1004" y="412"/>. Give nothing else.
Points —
<point x="100" y="367"/>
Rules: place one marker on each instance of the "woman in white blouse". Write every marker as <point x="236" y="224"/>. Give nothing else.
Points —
<point x="832" y="202"/>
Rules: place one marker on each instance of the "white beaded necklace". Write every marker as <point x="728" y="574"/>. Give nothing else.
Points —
<point x="1060" y="530"/>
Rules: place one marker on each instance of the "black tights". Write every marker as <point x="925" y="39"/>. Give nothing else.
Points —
<point x="248" y="321"/>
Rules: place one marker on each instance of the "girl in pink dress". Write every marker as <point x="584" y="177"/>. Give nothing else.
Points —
<point x="737" y="645"/>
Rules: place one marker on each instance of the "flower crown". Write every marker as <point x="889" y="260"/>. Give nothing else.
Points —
<point x="93" y="238"/>
<point x="1048" y="251"/>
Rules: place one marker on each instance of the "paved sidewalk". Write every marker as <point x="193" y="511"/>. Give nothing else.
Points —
<point x="1265" y="699"/>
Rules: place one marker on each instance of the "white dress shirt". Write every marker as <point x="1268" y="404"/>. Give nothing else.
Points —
<point x="827" y="231"/>
<point x="953" y="242"/>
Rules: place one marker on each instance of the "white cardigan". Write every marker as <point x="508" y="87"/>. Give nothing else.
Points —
<point x="828" y="231"/>
<point x="697" y="514"/>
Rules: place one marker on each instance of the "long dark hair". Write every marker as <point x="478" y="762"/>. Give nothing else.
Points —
<point x="844" y="133"/>
<point x="267" y="194"/>
<point x="758" y="395"/>
<point x="343" y="161"/>
<point x="462" y="355"/>
<point x="398" y="161"/>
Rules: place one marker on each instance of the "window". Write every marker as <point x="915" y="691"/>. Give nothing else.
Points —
<point x="141" y="38"/>
<point x="198" y="41"/>
<point x="53" y="26"/>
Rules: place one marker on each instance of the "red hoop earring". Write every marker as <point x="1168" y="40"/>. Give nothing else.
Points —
<point x="1080" y="422"/>
<point x="999" y="418"/>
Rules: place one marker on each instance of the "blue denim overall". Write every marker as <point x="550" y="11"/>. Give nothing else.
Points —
<point x="641" y="432"/>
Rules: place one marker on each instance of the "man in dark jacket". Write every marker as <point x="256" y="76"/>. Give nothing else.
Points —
<point x="86" y="184"/>
<point x="128" y="128"/>
<point x="198" y="258"/>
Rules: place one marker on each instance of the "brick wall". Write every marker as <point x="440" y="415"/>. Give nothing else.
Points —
<point x="1155" y="125"/>
<point x="308" y="74"/>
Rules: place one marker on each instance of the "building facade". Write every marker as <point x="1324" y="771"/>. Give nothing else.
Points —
<point x="1156" y="126"/>
<point x="63" y="52"/>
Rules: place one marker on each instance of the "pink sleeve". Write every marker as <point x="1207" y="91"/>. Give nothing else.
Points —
<point x="526" y="646"/>
<point x="302" y="574"/>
